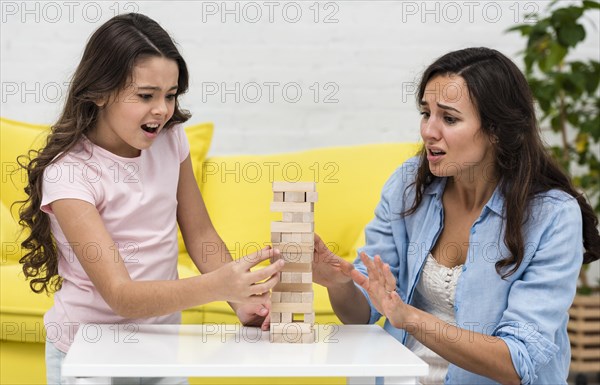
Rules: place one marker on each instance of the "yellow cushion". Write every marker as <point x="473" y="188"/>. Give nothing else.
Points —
<point x="20" y="308"/>
<point x="16" y="138"/>
<point x="199" y="136"/>
<point x="237" y="191"/>
<point x="10" y="236"/>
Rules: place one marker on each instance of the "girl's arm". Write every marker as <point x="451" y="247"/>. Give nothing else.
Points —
<point x="82" y="225"/>
<point x="485" y="355"/>
<point x="205" y="246"/>
<point x="202" y="242"/>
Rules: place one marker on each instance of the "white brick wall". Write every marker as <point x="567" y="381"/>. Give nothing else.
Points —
<point x="364" y="60"/>
<point x="368" y="53"/>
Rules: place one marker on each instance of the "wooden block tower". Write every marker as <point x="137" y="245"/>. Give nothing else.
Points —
<point x="292" y="313"/>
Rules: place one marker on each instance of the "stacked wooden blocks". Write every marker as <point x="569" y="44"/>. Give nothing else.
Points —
<point x="292" y="313"/>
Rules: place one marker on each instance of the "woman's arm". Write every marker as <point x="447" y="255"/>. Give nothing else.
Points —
<point x="333" y="272"/>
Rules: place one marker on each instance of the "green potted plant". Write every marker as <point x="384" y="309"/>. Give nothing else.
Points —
<point x="568" y="98"/>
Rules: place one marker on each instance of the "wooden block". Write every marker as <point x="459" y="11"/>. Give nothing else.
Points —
<point x="292" y="237"/>
<point x="296" y="217"/>
<point x="305" y="277"/>
<point x="308" y="338"/>
<point x="286" y="317"/>
<point x="276" y="297"/>
<point x="308" y="297"/>
<point x="286" y="297"/>
<point x="297" y="277"/>
<point x="306" y="258"/>
<point x="312" y="196"/>
<point x="277" y="197"/>
<point x="294" y="196"/>
<point x="296" y="297"/>
<point x="294" y="186"/>
<point x="291" y="328"/>
<point x="275" y="237"/>
<point x="308" y="237"/>
<point x="286" y="277"/>
<point x="309" y="318"/>
<point x="291" y="307"/>
<point x="294" y="247"/>
<point x="275" y="317"/>
<point x="293" y="207"/>
<point x="297" y="267"/>
<point x="291" y="258"/>
<point x="286" y="227"/>
<point x="289" y="287"/>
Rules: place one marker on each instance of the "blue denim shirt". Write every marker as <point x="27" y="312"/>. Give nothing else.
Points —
<point x="528" y="310"/>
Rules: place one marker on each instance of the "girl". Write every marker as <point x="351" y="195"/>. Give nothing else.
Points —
<point x="108" y="190"/>
<point x="478" y="241"/>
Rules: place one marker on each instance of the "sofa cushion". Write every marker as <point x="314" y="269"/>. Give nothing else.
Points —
<point x="21" y="310"/>
<point x="199" y="136"/>
<point x="237" y="191"/>
<point x="16" y="138"/>
<point x="10" y="236"/>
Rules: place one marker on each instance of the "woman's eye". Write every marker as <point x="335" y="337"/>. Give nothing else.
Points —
<point x="424" y="114"/>
<point x="450" y="119"/>
<point x="145" y="96"/>
<point x="171" y="97"/>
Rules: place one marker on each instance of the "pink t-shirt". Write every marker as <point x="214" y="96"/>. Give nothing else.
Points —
<point x="137" y="200"/>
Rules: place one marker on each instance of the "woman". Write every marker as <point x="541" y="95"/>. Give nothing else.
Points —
<point x="478" y="241"/>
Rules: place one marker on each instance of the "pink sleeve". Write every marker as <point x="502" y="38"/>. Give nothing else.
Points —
<point x="183" y="146"/>
<point x="68" y="179"/>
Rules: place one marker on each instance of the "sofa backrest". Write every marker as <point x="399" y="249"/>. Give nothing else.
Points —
<point x="237" y="191"/>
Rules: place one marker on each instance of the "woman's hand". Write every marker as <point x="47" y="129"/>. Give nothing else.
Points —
<point x="381" y="287"/>
<point x="235" y="282"/>
<point x="328" y="269"/>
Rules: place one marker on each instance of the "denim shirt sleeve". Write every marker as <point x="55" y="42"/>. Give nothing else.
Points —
<point x="378" y="233"/>
<point x="539" y="300"/>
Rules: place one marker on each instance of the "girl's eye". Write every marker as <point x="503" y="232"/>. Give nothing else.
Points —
<point x="145" y="96"/>
<point x="172" y="96"/>
<point x="425" y="114"/>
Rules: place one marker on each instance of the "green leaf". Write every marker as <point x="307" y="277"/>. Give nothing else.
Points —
<point x="591" y="4"/>
<point x="554" y="56"/>
<point x="570" y="34"/>
<point x="525" y="29"/>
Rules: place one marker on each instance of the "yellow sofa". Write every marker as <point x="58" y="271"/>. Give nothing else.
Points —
<point x="237" y="193"/>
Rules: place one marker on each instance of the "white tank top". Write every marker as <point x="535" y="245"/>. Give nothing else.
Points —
<point x="434" y="294"/>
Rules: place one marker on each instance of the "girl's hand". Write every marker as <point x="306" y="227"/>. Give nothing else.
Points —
<point x="381" y="287"/>
<point x="327" y="268"/>
<point x="254" y="315"/>
<point x="235" y="282"/>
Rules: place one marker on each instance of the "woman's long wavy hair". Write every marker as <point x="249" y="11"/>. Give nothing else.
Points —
<point x="502" y="97"/>
<point x="105" y="68"/>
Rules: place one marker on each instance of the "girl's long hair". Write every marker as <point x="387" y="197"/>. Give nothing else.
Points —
<point x="106" y="67"/>
<point x="503" y="99"/>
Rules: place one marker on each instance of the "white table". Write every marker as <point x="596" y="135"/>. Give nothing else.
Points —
<point x="358" y="352"/>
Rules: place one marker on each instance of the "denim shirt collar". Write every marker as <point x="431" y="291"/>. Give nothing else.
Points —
<point x="494" y="204"/>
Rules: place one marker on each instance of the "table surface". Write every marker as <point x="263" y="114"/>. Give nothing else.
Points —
<point x="219" y="350"/>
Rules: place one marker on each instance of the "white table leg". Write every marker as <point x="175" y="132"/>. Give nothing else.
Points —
<point x="87" y="380"/>
<point x="360" y="380"/>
